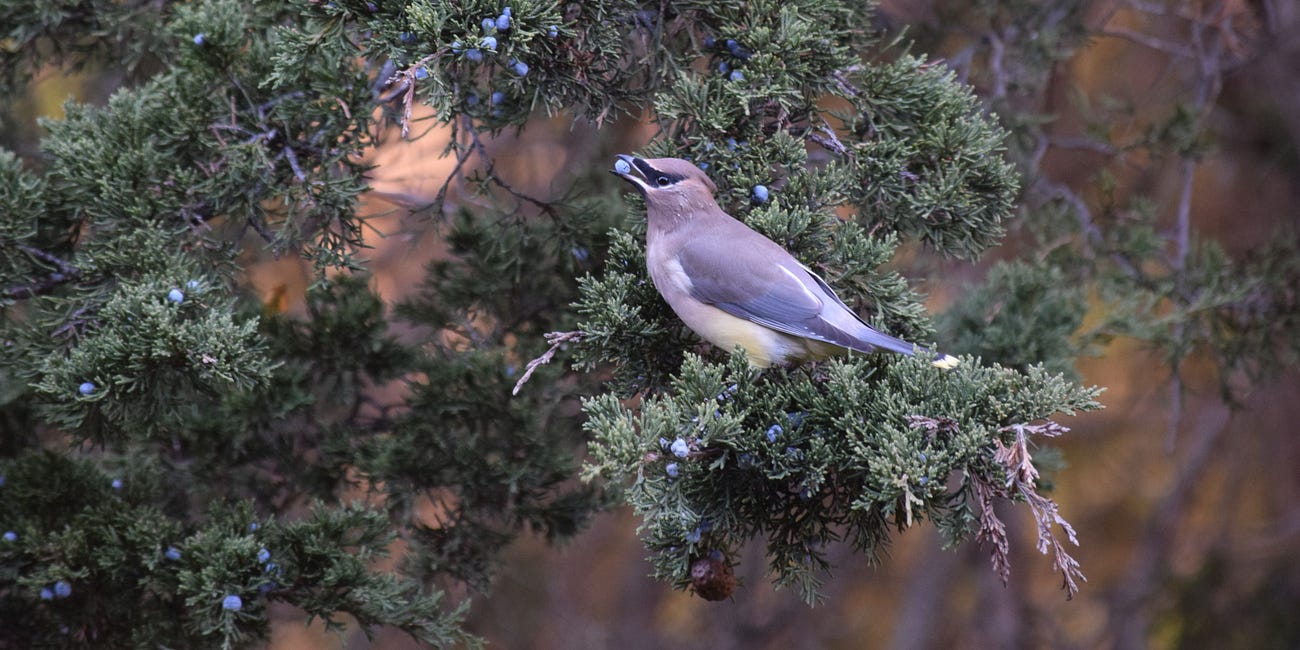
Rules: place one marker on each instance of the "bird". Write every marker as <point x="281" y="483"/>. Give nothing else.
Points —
<point x="735" y="287"/>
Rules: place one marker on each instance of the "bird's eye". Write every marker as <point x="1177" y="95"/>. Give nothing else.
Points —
<point x="663" y="181"/>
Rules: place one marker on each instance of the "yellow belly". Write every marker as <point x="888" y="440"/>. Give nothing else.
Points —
<point x="765" y="347"/>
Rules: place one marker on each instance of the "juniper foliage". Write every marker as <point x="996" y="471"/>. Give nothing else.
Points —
<point x="170" y="442"/>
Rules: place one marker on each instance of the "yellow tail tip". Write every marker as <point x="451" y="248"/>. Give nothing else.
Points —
<point x="947" y="362"/>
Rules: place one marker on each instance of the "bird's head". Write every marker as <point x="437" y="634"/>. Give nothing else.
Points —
<point x="668" y="184"/>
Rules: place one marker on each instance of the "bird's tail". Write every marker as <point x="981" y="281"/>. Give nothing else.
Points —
<point x="874" y="339"/>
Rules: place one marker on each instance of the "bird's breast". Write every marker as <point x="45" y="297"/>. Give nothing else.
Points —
<point x="668" y="275"/>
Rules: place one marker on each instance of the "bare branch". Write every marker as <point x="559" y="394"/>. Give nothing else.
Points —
<point x="830" y="141"/>
<point x="293" y="162"/>
<point x="1172" y="49"/>
<point x="931" y="425"/>
<point x="844" y="85"/>
<point x="66" y="273"/>
<point x="557" y="340"/>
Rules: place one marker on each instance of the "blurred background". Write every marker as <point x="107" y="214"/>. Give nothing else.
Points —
<point x="1185" y="490"/>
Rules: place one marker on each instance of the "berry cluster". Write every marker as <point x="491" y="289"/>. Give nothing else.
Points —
<point x="491" y="28"/>
<point x="732" y="59"/>
<point x="493" y="32"/>
<point x="61" y="589"/>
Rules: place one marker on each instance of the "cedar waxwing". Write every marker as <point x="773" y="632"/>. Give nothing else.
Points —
<point x="732" y="285"/>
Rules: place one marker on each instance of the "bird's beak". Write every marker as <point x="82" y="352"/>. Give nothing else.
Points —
<point x="628" y="168"/>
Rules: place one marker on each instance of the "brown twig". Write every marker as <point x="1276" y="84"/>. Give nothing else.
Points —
<point x="830" y="141"/>
<point x="557" y="340"/>
<point x="1021" y="481"/>
<point x="65" y="273"/>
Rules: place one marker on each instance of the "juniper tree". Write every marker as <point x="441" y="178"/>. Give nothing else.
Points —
<point x="177" y="456"/>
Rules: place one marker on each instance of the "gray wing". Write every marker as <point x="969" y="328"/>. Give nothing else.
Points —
<point x="767" y="286"/>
